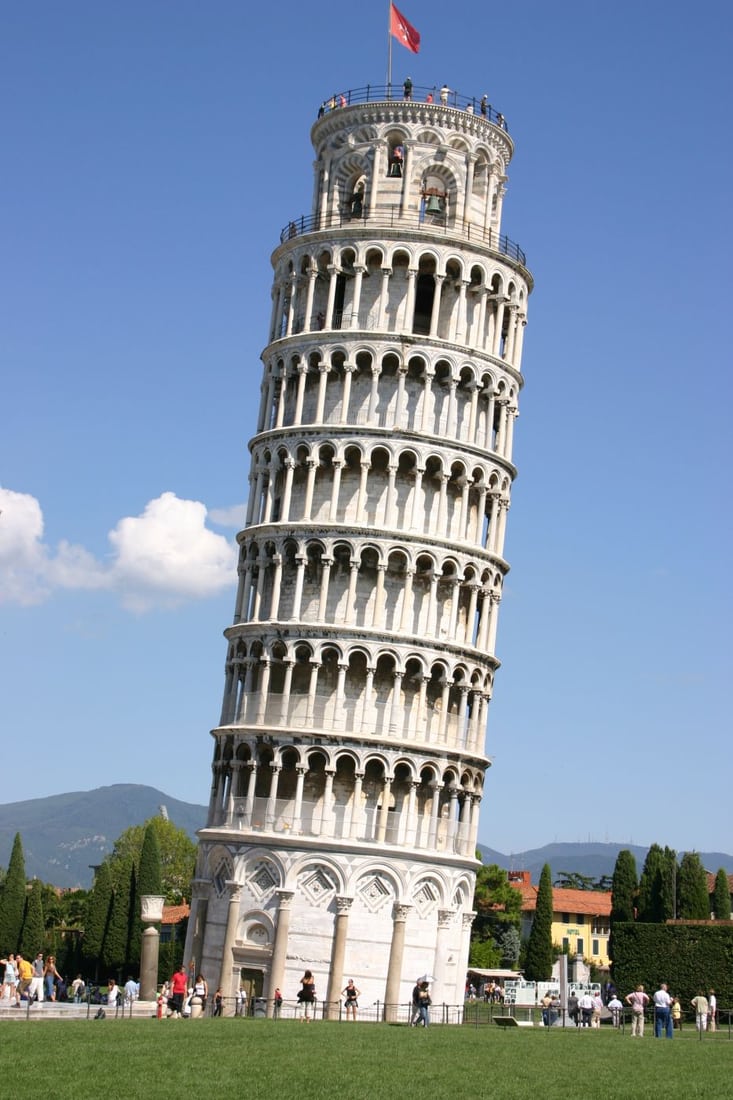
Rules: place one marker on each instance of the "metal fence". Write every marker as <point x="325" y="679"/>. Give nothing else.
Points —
<point x="476" y="1014"/>
<point x="426" y="95"/>
<point x="405" y="220"/>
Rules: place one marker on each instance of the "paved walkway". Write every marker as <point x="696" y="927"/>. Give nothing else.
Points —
<point x="67" y="1010"/>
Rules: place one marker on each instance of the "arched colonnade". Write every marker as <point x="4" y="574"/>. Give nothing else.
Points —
<point x="390" y="289"/>
<point x="367" y="584"/>
<point x="345" y="793"/>
<point x="354" y="690"/>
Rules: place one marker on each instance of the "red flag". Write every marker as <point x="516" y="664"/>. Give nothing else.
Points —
<point x="403" y="31"/>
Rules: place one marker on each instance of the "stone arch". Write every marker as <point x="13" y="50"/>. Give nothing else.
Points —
<point x="319" y="876"/>
<point x="376" y="886"/>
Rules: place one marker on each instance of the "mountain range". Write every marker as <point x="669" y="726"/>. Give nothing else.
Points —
<point x="591" y="860"/>
<point x="66" y="835"/>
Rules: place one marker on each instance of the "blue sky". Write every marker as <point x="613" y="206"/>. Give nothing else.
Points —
<point x="153" y="152"/>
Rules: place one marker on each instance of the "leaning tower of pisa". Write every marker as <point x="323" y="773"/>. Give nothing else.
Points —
<point x="349" y="762"/>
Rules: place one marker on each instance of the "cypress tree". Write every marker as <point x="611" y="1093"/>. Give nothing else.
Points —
<point x="657" y="886"/>
<point x="134" y="925"/>
<point x="668" y="885"/>
<point x="721" y="895"/>
<point x="32" y="934"/>
<point x="149" y="874"/>
<point x="12" y="901"/>
<point x="148" y="881"/>
<point x="114" y="948"/>
<point x="539" y="957"/>
<point x="692" y="889"/>
<point x="623" y="887"/>
<point x="97" y="918"/>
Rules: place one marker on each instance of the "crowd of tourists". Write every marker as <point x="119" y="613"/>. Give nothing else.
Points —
<point x="587" y="1009"/>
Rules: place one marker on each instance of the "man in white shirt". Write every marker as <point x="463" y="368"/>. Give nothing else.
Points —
<point x="662" y="1013"/>
<point x="615" y="1007"/>
<point x="585" y="1004"/>
<point x="712" y="1010"/>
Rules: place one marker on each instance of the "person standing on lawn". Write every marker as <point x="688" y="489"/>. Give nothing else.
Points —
<point x="662" y="1013"/>
<point x="616" y="1008"/>
<point x="638" y="1001"/>
<point x="702" y="1007"/>
<point x="179" y="989"/>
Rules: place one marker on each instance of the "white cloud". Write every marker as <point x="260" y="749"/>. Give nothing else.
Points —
<point x="163" y="557"/>
<point x="168" y="554"/>
<point x="23" y="556"/>
<point x="229" y="517"/>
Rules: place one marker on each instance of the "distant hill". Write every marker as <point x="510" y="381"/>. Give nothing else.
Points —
<point x="593" y="860"/>
<point x="66" y="834"/>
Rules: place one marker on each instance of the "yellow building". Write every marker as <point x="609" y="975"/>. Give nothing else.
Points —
<point x="581" y="919"/>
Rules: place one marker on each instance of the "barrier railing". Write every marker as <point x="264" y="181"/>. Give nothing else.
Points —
<point x="408" y="219"/>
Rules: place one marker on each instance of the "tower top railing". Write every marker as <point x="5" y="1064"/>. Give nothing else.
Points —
<point x="423" y="94"/>
<point x="416" y="220"/>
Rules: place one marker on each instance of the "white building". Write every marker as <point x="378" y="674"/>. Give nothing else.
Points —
<point x="349" y="762"/>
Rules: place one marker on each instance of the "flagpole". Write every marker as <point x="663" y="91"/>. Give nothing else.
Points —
<point x="389" y="48"/>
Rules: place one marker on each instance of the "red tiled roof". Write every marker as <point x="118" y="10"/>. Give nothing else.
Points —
<point x="595" y="903"/>
<point x="174" y="914"/>
<point x="711" y="876"/>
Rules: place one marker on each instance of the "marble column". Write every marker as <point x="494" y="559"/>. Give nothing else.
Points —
<point x="440" y="992"/>
<point x="226" y="975"/>
<point x="394" y="968"/>
<point x="338" y="950"/>
<point x="280" y="947"/>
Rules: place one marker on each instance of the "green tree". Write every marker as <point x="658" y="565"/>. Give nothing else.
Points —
<point x="721" y="896"/>
<point x="498" y="908"/>
<point x="656" y="886"/>
<point x="96" y="919"/>
<point x="573" y="880"/>
<point x="693" y="900"/>
<point x="65" y="915"/>
<point x="177" y="855"/>
<point x="539" y="958"/>
<point x="668" y="891"/>
<point x="150" y="866"/>
<point x="116" y="940"/>
<point x="12" y="900"/>
<point x="484" y="954"/>
<point x="32" y="936"/>
<point x="623" y="887"/>
<point x="147" y="881"/>
<point x="511" y="945"/>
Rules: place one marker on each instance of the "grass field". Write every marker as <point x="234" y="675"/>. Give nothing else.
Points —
<point x="270" y="1059"/>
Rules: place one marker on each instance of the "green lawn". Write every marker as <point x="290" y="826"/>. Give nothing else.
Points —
<point x="270" y="1059"/>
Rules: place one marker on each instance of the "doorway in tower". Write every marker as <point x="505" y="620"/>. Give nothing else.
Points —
<point x="253" y="980"/>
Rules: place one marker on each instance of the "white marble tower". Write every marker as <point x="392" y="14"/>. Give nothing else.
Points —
<point x="349" y="763"/>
